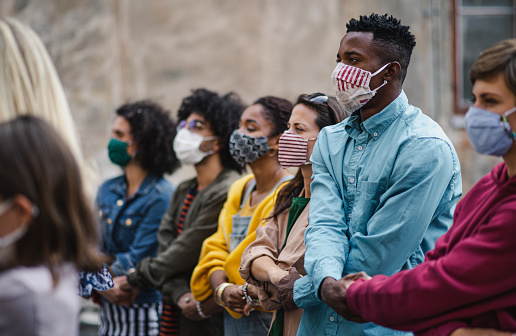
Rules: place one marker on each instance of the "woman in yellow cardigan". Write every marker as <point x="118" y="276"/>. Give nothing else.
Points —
<point x="250" y="200"/>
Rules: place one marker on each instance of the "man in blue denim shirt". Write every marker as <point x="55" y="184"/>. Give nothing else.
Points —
<point x="385" y="180"/>
<point x="130" y="208"/>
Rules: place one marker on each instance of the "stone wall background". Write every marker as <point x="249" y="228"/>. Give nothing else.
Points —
<point x="108" y="52"/>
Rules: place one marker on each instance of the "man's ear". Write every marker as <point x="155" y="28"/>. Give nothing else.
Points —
<point x="393" y="71"/>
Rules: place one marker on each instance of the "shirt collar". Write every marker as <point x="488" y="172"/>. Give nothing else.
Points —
<point x="378" y="123"/>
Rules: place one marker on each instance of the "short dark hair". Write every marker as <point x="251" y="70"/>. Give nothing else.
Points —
<point x="394" y="39"/>
<point x="277" y="111"/>
<point x="38" y="164"/>
<point x="221" y="112"/>
<point x="499" y="58"/>
<point x="154" y="132"/>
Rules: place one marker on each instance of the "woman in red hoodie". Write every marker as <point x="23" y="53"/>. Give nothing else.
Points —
<point x="467" y="284"/>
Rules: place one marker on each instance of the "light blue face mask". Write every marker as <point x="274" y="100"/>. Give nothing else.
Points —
<point x="489" y="132"/>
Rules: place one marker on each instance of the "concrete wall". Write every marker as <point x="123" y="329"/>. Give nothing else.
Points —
<point x="108" y="52"/>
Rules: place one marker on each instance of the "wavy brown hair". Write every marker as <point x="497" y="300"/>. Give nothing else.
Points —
<point x="38" y="164"/>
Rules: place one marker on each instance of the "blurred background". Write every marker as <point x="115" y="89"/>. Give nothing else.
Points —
<point x="108" y="52"/>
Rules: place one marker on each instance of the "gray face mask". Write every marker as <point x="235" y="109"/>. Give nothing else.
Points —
<point x="245" y="149"/>
<point x="489" y="132"/>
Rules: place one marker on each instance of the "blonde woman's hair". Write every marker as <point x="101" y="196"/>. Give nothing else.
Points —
<point x="29" y="84"/>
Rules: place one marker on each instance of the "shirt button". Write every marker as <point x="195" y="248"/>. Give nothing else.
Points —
<point x="332" y="319"/>
<point x="128" y="222"/>
<point x="360" y="147"/>
<point x="375" y="134"/>
<point x="100" y="213"/>
<point x="349" y="216"/>
<point x="351" y="180"/>
<point x="119" y="202"/>
<point x="109" y="221"/>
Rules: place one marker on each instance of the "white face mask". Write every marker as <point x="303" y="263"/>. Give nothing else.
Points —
<point x="187" y="147"/>
<point x="351" y="86"/>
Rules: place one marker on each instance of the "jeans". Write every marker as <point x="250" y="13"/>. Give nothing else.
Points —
<point x="256" y="324"/>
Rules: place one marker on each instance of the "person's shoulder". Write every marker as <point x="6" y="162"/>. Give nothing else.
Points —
<point x="165" y="186"/>
<point x="24" y="281"/>
<point x="114" y="181"/>
<point x="422" y="126"/>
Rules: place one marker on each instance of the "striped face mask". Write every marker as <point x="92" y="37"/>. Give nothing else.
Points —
<point x="293" y="150"/>
<point x="351" y="86"/>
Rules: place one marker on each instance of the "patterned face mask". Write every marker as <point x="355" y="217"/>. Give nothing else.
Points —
<point x="293" y="150"/>
<point x="245" y="149"/>
<point x="351" y="86"/>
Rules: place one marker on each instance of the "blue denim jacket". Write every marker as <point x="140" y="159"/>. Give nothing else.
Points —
<point x="383" y="191"/>
<point x="130" y="226"/>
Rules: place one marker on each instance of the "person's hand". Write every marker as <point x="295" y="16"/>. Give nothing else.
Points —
<point x="333" y="293"/>
<point x="116" y="295"/>
<point x="188" y="307"/>
<point x="126" y="287"/>
<point x="479" y="332"/>
<point x="252" y="291"/>
<point x="209" y="307"/>
<point x="285" y="288"/>
<point x="233" y="298"/>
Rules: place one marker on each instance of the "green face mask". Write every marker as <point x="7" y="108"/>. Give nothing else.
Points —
<point x="117" y="151"/>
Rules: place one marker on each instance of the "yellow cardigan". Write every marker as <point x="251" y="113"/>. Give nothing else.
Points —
<point x="215" y="251"/>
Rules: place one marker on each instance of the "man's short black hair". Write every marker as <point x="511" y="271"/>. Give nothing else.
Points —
<point x="394" y="40"/>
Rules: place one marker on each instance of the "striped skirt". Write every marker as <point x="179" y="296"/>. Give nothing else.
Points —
<point x="135" y="320"/>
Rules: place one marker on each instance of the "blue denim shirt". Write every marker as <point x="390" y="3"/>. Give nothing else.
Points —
<point x="130" y="226"/>
<point x="383" y="191"/>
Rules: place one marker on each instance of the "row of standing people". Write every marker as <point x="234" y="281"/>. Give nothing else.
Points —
<point x="385" y="186"/>
<point x="371" y="175"/>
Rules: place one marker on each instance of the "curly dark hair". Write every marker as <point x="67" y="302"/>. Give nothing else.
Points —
<point x="394" y="40"/>
<point x="328" y="112"/>
<point x="222" y="114"/>
<point x="277" y="111"/>
<point x="153" y="132"/>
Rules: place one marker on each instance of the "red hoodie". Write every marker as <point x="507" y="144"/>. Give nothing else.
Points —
<point x="468" y="280"/>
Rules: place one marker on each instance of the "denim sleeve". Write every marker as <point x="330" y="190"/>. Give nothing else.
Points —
<point x="417" y="191"/>
<point x="325" y="238"/>
<point x="304" y="295"/>
<point x="145" y="243"/>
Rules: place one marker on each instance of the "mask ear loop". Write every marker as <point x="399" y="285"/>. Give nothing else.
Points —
<point x="510" y="132"/>
<point x="376" y="73"/>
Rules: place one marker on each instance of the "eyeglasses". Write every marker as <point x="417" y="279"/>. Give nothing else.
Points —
<point x="194" y="125"/>
<point x="319" y="99"/>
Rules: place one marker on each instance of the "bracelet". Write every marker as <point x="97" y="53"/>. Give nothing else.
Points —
<point x="218" y="293"/>
<point x="247" y="297"/>
<point x="200" y="312"/>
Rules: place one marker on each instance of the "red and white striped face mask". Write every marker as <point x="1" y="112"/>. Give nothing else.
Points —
<point x="351" y="86"/>
<point x="293" y="150"/>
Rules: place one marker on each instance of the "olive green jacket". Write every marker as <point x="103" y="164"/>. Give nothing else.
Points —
<point x="171" y="269"/>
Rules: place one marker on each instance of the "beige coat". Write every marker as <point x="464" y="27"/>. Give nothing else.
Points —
<point x="269" y="241"/>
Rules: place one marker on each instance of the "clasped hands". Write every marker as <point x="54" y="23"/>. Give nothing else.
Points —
<point x="334" y="294"/>
<point x="121" y="293"/>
